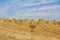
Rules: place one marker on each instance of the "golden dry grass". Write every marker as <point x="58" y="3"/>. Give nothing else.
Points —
<point x="29" y="29"/>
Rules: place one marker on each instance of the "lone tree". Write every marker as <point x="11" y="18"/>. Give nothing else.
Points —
<point x="33" y="24"/>
<point x="13" y="20"/>
<point x="54" y="22"/>
<point x="48" y="22"/>
<point x="41" y="21"/>
<point x="59" y="22"/>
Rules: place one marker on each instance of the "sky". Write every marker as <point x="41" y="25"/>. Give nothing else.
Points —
<point x="30" y="9"/>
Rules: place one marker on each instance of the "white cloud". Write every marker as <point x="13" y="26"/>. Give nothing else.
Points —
<point x="48" y="1"/>
<point x="38" y="8"/>
<point x="30" y="12"/>
<point x="49" y="7"/>
<point x="14" y="5"/>
<point x="20" y="4"/>
<point x="3" y="10"/>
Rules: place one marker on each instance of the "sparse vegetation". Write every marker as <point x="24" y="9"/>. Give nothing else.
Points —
<point x="22" y="29"/>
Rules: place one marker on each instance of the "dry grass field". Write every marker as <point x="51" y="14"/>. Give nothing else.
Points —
<point x="29" y="29"/>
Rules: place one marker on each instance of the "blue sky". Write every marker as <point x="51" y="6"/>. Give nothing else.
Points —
<point x="30" y="9"/>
